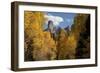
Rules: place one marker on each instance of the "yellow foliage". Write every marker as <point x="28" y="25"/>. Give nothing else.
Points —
<point x="49" y="42"/>
<point x="72" y="41"/>
<point x="42" y="43"/>
<point x="66" y="45"/>
<point x="45" y="47"/>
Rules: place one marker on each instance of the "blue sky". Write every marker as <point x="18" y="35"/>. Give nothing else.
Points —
<point x="67" y="18"/>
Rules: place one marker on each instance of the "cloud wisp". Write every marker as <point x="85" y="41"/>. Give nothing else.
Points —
<point x="56" y="19"/>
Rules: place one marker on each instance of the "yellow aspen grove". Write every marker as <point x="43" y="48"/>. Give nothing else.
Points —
<point x="45" y="41"/>
<point x="43" y="46"/>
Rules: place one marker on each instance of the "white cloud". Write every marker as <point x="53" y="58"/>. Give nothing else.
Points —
<point x="56" y="19"/>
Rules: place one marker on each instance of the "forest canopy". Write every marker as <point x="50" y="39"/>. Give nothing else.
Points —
<point x="55" y="44"/>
